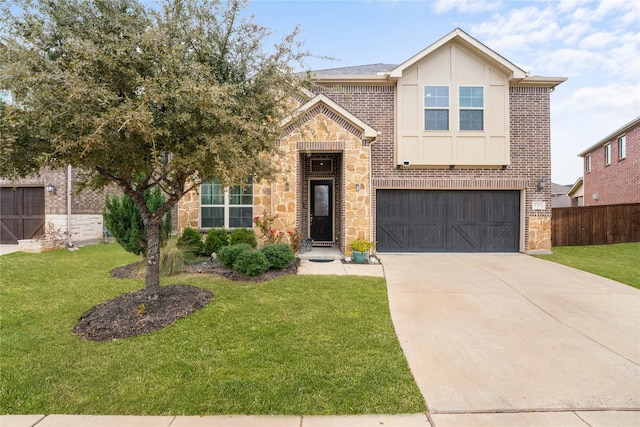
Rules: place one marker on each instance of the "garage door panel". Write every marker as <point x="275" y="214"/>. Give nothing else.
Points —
<point x="393" y="236"/>
<point x="426" y="238"/>
<point x="453" y="221"/>
<point x="21" y="213"/>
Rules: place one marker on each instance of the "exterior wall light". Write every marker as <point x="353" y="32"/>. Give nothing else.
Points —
<point x="50" y="188"/>
<point x="357" y="187"/>
<point x="286" y="186"/>
<point x="540" y="184"/>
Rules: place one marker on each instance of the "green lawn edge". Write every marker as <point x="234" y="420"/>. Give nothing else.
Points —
<point x="619" y="262"/>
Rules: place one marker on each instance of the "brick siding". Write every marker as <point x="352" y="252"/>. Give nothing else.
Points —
<point x="618" y="182"/>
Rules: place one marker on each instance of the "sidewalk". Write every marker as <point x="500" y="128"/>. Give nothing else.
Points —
<point x="412" y="420"/>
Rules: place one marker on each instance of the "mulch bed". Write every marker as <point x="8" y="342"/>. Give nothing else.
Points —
<point x="136" y="313"/>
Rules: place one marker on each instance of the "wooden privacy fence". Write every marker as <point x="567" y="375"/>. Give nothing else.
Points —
<point x="595" y="225"/>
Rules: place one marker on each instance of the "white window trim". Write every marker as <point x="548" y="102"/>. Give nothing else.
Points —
<point x="622" y="147"/>
<point x="607" y="154"/>
<point x="484" y="103"/>
<point x="587" y="163"/>
<point x="226" y="208"/>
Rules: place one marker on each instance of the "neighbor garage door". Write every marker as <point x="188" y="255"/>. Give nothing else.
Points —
<point x="21" y="213"/>
<point x="447" y="221"/>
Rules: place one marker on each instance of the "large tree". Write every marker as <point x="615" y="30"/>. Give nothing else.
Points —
<point x="143" y="96"/>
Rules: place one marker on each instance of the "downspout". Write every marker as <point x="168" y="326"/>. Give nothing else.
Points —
<point x="69" y="171"/>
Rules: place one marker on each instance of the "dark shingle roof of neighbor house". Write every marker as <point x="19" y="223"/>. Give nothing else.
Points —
<point x="559" y="198"/>
<point x="358" y="70"/>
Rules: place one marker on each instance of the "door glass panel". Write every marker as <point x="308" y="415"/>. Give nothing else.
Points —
<point x="321" y="200"/>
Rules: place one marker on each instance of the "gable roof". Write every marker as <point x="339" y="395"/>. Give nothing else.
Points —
<point x="578" y="184"/>
<point x="367" y="131"/>
<point x="466" y="40"/>
<point x="633" y="123"/>
<point x="389" y="73"/>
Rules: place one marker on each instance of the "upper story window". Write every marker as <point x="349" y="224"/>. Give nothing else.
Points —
<point x="587" y="163"/>
<point x="471" y="107"/>
<point x="622" y="147"/>
<point x="607" y="154"/>
<point x="436" y="108"/>
<point x="228" y="207"/>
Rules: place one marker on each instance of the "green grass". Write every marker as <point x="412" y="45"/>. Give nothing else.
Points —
<point x="620" y="262"/>
<point x="296" y="345"/>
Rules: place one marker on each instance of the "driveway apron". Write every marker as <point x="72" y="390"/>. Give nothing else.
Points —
<point x="512" y="333"/>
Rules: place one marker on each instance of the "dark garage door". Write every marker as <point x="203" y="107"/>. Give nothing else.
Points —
<point x="447" y="221"/>
<point x="21" y="213"/>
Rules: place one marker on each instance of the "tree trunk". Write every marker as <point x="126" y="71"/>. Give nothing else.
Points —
<point x="152" y="276"/>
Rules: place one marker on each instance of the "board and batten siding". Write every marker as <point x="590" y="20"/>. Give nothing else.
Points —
<point x="453" y="66"/>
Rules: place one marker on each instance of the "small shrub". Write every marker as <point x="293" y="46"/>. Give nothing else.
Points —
<point x="243" y="235"/>
<point x="228" y="254"/>
<point x="216" y="239"/>
<point x="251" y="263"/>
<point x="279" y="255"/>
<point x="174" y="260"/>
<point x="191" y="241"/>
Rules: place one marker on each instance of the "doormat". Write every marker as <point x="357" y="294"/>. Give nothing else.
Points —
<point x="321" y="260"/>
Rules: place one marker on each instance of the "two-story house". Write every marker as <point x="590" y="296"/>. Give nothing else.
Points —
<point x="612" y="167"/>
<point x="447" y="152"/>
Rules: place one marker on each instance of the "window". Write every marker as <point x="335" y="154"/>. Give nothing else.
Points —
<point x="471" y="108"/>
<point x="607" y="154"/>
<point x="622" y="147"/>
<point x="228" y="207"/>
<point x="436" y="108"/>
<point x="587" y="163"/>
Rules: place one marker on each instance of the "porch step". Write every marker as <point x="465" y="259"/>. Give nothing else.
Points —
<point x="321" y="253"/>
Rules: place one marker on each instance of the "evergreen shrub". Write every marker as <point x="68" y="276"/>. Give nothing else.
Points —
<point x="251" y="263"/>
<point x="227" y="255"/>
<point x="279" y="255"/>
<point x="243" y="235"/>
<point x="216" y="239"/>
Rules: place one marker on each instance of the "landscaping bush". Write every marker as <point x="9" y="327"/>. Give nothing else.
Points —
<point x="279" y="255"/>
<point x="216" y="239"/>
<point x="251" y="263"/>
<point x="191" y="241"/>
<point x="124" y="222"/>
<point x="243" y="235"/>
<point x="228" y="254"/>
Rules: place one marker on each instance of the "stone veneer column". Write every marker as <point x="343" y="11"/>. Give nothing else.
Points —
<point x="539" y="233"/>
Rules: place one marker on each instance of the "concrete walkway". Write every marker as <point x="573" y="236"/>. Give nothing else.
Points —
<point x="508" y="339"/>
<point x="412" y="420"/>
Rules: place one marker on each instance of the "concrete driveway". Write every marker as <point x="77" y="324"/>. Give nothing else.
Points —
<point x="508" y="339"/>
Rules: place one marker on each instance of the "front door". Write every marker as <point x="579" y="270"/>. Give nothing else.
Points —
<point x="321" y="212"/>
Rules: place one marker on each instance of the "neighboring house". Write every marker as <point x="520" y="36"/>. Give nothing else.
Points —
<point x="446" y="152"/>
<point x="576" y="193"/>
<point x="612" y="167"/>
<point x="48" y="201"/>
<point x="559" y="197"/>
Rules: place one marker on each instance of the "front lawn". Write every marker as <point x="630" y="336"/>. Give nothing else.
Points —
<point x="620" y="262"/>
<point x="295" y="345"/>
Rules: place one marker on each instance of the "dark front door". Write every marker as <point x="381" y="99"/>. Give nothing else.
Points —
<point x="321" y="212"/>
<point x="447" y="221"/>
<point x="21" y="213"/>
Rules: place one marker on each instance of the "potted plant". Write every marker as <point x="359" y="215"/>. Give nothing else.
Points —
<point x="360" y="248"/>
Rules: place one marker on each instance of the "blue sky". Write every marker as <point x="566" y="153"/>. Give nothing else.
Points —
<point x="593" y="43"/>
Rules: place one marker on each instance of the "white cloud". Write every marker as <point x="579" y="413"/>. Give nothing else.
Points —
<point x="597" y="40"/>
<point x="443" y="6"/>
